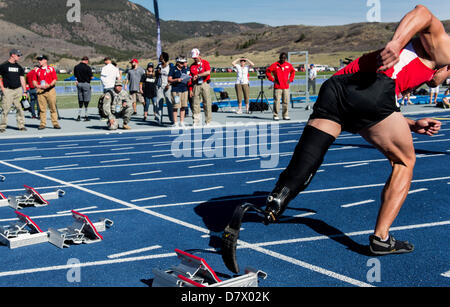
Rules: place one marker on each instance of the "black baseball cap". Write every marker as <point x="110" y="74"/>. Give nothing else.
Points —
<point x="42" y="57"/>
<point x="150" y="65"/>
<point x="16" y="52"/>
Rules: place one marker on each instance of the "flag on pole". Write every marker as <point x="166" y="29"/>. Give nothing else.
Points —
<point x="158" y="29"/>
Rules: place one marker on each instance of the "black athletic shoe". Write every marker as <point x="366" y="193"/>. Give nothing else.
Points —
<point x="391" y="246"/>
<point x="78" y="118"/>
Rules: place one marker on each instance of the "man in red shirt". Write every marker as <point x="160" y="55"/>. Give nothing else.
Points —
<point x="201" y="76"/>
<point x="32" y="91"/>
<point x="45" y="81"/>
<point x="281" y="73"/>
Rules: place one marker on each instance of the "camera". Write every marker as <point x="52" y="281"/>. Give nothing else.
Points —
<point x="261" y="74"/>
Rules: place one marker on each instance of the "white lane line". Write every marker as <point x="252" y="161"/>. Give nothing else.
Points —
<point x="123" y="148"/>
<point x="117" y="160"/>
<point x="85" y="180"/>
<point x="304" y="214"/>
<point x="418" y="190"/>
<point x="247" y="160"/>
<point x="148" y="198"/>
<point x="136" y="251"/>
<point x="146" y="173"/>
<point x="68" y="145"/>
<point x="160" y="156"/>
<point x="358" y="203"/>
<point x="199" y="166"/>
<point x="350" y="234"/>
<point x="86" y="264"/>
<point x="208" y="189"/>
<point x="356" y="165"/>
<point x="107" y="142"/>
<point x="261" y="180"/>
<point x="77" y="153"/>
<point x="24" y="149"/>
<point x="27" y="158"/>
<point x="61" y="166"/>
<point x="78" y="209"/>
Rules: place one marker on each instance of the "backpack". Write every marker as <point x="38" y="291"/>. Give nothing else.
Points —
<point x="101" y="112"/>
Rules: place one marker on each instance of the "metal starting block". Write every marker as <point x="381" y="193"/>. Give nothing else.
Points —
<point x="193" y="271"/>
<point x="23" y="233"/>
<point x="82" y="231"/>
<point x="31" y="199"/>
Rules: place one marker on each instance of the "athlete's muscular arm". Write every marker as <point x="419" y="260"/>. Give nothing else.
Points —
<point x="440" y="76"/>
<point x="428" y="126"/>
<point x="432" y="34"/>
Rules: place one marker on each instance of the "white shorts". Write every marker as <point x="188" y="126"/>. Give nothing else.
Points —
<point x="435" y="90"/>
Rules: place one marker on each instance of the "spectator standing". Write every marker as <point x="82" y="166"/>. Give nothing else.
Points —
<point x="32" y="93"/>
<point x="242" y="85"/>
<point x="281" y="73"/>
<point x="83" y="74"/>
<point x="163" y="87"/>
<point x="45" y="82"/>
<point x="201" y="77"/>
<point x="179" y="79"/>
<point x="109" y="75"/>
<point x="148" y="91"/>
<point x="133" y="80"/>
<point x="13" y="87"/>
<point x="312" y="76"/>
<point x="434" y="92"/>
<point x="117" y="103"/>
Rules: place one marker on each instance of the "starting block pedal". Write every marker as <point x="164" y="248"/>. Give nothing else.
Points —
<point x="23" y="233"/>
<point x="31" y="199"/>
<point x="82" y="231"/>
<point x="193" y="271"/>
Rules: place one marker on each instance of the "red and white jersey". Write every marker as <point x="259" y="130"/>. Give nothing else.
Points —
<point x="409" y="73"/>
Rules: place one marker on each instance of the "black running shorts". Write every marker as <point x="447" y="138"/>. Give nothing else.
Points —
<point x="356" y="101"/>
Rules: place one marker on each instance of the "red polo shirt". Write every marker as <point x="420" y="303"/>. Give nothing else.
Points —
<point x="280" y="74"/>
<point x="200" y="68"/>
<point x="47" y="74"/>
<point x="30" y="77"/>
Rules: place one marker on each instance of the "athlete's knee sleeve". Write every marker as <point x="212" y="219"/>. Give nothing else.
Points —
<point x="306" y="160"/>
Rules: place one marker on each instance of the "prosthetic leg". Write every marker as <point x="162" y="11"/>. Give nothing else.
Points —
<point x="307" y="158"/>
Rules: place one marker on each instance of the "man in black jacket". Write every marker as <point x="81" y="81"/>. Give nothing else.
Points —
<point x="83" y="74"/>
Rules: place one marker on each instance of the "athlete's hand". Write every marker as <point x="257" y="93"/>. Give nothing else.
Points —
<point x="428" y="126"/>
<point x="390" y="55"/>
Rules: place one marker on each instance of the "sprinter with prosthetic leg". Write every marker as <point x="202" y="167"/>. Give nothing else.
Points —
<point x="362" y="98"/>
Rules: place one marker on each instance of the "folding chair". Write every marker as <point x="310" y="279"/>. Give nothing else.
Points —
<point x="222" y="96"/>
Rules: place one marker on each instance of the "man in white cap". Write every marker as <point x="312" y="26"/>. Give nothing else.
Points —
<point x="201" y="77"/>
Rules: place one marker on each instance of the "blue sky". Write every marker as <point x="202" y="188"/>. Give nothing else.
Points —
<point x="290" y="12"/>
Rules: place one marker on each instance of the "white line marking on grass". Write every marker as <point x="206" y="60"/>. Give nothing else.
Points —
<point x="198" y="166"/>
<point x="446" y="274"/>
<point x="148" y="198"/>
<point x="418" y="190"/>
<point x="208" y="189"/>
<point x="79" y="209"/>
<point x="356" y="165"/>
<point x="61" y="166"/>
<point x="261" y="180"/>
<point x="146" y="173"/>
<point x="358" y="203"/>
<point x="136" y="251"/>
<point x="117" y="160"/>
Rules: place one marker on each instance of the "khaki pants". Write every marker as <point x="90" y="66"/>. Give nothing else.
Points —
<point x="47" y="98"/>
<point x="202" y="93"/>
<point x="281" y="95"/>
<point x="243" y="91"/>
<point x="10" y="98"/>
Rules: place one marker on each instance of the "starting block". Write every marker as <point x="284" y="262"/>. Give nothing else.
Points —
<point x="23" y="233"/>
<point x="31" y="199"/>
<point x="193" y="271"/>
<point x="82" y="231"/>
